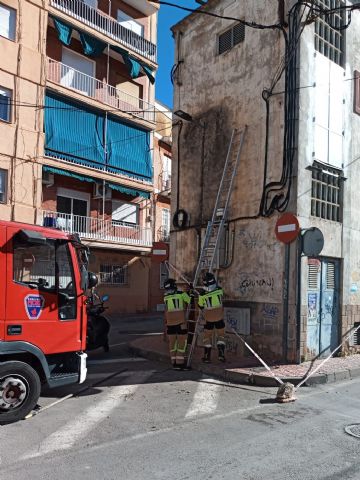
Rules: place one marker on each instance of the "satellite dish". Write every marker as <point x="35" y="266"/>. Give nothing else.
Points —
<point x="312" y="242"/>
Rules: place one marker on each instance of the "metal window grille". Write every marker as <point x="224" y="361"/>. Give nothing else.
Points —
<point x="355" y="339"/>
<point x="328" y="40"/>
<point x="326" y="193"/>
<point x="114" y="274"/>
<point x="231" y="37"/>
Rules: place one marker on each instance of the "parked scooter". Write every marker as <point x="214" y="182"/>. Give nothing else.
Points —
<point x="98" y="325"/>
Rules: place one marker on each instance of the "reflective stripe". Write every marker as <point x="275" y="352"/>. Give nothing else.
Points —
<point x="212" y="299"/>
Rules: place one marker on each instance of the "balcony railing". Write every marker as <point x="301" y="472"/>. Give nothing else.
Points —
<point x="107" y="25"/>
<point x="90" y="228"/>
<point x="66" y="76"/>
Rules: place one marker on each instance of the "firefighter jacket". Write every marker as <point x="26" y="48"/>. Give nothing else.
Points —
<point x="212" y="305"/>
<point x="175" y="306"/>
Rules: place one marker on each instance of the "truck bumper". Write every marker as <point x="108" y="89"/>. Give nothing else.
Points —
<point x="82" y="367"/>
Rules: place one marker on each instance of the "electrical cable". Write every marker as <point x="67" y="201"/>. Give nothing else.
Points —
<point x="224" y="17"/>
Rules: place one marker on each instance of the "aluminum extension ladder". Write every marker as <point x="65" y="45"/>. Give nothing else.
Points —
<point x="215" y="226"/>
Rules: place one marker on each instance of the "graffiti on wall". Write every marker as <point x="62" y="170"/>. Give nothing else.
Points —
<point x="237" y="319"/>
<point x="255" y="239"/>
<point x="270" y="311"/>
<point x="250" y="284"/>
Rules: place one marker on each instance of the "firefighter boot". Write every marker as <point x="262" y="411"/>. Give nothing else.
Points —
<point x="221" y="352"/>
<point x="207" y="355"/>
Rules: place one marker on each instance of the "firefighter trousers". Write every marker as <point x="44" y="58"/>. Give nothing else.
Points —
<point x="177" y="335"/>
<point x="209" y="329"/>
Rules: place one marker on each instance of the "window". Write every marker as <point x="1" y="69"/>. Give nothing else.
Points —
<point x="77" y="72"/>
<point x="326" y="192"/>
<point x="357" y="92"/>
<point x="91" y="3"/>
<point x="165" y="224"/>
<point x="36" y="265"/>
<point x="7" y="22"/>
<point x="328" y="40"/>
<point x="231" y="37"/>
<point x="128" y="22"/>
<point x="114" y="274"/>
<point x="3" y="186"/>
<point x="72" y="208"/>
<point x="166" y="172"/>
<point x="5" y="104"/>
<point x="164" y="274"/>
<point x="124" y="214"/>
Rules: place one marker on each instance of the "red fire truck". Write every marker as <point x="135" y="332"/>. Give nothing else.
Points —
<point x="43" y="279"/>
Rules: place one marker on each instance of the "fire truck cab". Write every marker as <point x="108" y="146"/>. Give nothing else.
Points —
<point x="43" y="281"/>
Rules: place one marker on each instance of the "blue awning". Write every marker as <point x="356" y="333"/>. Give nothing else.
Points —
<point x="134" y="65"/>
<point x="129" y="191"/>
<point x="84" y="178"/>
<point x="64" y="31"/>
<point x="77" y="133"/>
<point x="91" y="45"/>
<point x="67" y="173"/>
<point x="94" y="47"/>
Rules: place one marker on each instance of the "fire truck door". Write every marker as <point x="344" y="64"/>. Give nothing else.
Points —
<point x="42" y="301"/>
<point x="2" y="282"/>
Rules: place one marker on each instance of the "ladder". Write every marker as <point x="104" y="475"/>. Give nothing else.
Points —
<point x="215" y="226"/>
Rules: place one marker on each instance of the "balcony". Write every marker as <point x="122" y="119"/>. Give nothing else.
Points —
<point x="90" y="228"/>
<point x="106" y="25"/>
<point x="68" y="77"/>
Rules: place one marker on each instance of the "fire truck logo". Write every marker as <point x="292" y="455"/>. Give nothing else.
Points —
<point x="33" y="306"/>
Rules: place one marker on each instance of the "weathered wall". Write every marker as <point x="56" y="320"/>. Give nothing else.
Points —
<point x="132" y="297"/>
<point x="22" y="138"/>
<point x="341" y="239"/>
<point x="222" y="92"/>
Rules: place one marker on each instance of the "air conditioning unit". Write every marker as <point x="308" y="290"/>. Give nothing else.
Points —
<point x="99" y="191"/>
<point x="47" y="178"/>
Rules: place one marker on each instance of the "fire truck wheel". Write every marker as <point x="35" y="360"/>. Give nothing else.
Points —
<point x="19" y="391"/>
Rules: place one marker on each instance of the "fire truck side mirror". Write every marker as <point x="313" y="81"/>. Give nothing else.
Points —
<point x="92" y="280"/>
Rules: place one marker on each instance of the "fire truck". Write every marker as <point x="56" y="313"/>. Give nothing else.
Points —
<point x="43" y="281"/>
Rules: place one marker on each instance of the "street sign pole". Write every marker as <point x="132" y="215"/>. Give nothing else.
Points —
<point x="286" y="302"/>
<point x="286" y="230"/>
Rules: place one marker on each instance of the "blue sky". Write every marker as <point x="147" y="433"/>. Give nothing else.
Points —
<point x="168" y="16"/>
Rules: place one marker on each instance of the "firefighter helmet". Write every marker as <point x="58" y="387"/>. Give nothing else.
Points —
<point x="170" y="284"/>
<point x="209" y="279"/>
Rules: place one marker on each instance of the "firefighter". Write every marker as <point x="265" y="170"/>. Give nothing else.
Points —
<point x="211" y="302"/>
<point x="175" y="308"/>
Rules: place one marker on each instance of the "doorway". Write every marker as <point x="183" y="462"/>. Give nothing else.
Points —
<point x="323" y="295"/>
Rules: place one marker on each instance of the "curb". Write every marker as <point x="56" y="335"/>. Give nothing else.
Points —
<point x="229" y="375"/>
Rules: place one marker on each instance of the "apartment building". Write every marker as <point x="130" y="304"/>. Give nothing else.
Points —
<point x="161" y="219"/>
<point x="300" y="101"/>
<point x="77" y="120"/>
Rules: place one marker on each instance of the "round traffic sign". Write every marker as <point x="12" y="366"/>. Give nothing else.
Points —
<point x="287" y="228"/>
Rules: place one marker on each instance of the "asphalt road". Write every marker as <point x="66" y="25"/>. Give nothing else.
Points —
<point x="141" y="420"/>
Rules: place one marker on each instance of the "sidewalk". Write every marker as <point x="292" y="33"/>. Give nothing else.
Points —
<point x="250" y="370"/>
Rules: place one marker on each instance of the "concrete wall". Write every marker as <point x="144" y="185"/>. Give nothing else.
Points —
<point x="222" y="92"/>
<point x="341" y="239"/>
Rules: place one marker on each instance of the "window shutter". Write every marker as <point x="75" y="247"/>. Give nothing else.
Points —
<point x="330" y="276"/>
<point x="357" y="92"/>
<point x="225" y="41"/>
<point x="239" y="33"/>
<point x="313" y="283"/>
